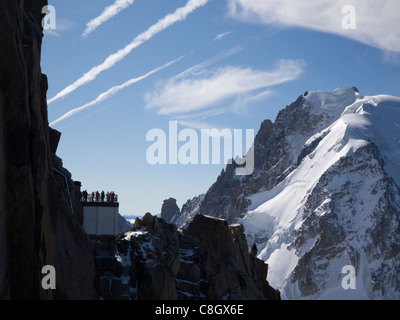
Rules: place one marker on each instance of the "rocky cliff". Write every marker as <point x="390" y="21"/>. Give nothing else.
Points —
<point x="40" y="213"/>
<point x="209" y="260"/>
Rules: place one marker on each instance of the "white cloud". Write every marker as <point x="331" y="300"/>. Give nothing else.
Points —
<point x="222" y="35"/>
<point x="180" y="14"/>
<point x="112" y="91"/>
<point x="377" y="22"/>
<point x="190" y="94"/>
<point x="107" y="14"/>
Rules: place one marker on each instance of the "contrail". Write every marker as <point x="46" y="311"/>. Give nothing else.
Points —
<point x="180" y="14"/>
<point x="107" y="14"/>
<point x="107" y="94"/>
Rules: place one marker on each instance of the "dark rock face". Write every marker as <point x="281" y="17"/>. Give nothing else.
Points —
<point x="209" y="260"/>
<point x="229" y="271"/>
<point x="169" y="210"/>
<point x="39" y="212"/>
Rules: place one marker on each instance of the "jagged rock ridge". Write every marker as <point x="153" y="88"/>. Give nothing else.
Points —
<point x="209" y="260"/>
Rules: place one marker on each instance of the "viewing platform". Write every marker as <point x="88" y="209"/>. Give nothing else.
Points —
<point x="109" y="199"/>
<point x="100" y="213"/>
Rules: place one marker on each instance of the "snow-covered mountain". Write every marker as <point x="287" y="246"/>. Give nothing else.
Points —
<point x="340" y="206"/>
<point x="324" y="195"/>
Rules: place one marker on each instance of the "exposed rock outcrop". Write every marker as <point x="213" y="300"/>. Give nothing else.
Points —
<point x="189" y="209"/>
<point x="210" y="260"/>
<point x="169" y="210"/>
<point x="39" y="210"/>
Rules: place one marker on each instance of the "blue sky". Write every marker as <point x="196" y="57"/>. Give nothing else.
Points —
<point x="115" y="73"/>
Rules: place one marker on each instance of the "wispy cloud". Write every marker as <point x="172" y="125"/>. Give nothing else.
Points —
<point x="201" y="66"/>
<point x="189" y="94"/>
<point x="244" y="101"/>
<point x="222" y="35"/>
<point x="180" y="14"/>
<point x="199" y="120"/>
<point x="63" y="25"/>
<point x="107" y="14"/>
<point x="112" y="91"/>
<point x="377" y="22"/>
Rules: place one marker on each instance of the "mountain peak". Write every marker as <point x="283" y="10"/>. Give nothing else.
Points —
<point x="337" y="99"/>
<point x="324" y="195"/>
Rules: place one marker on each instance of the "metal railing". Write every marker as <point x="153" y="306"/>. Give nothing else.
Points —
<point x="100" y="197"/>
